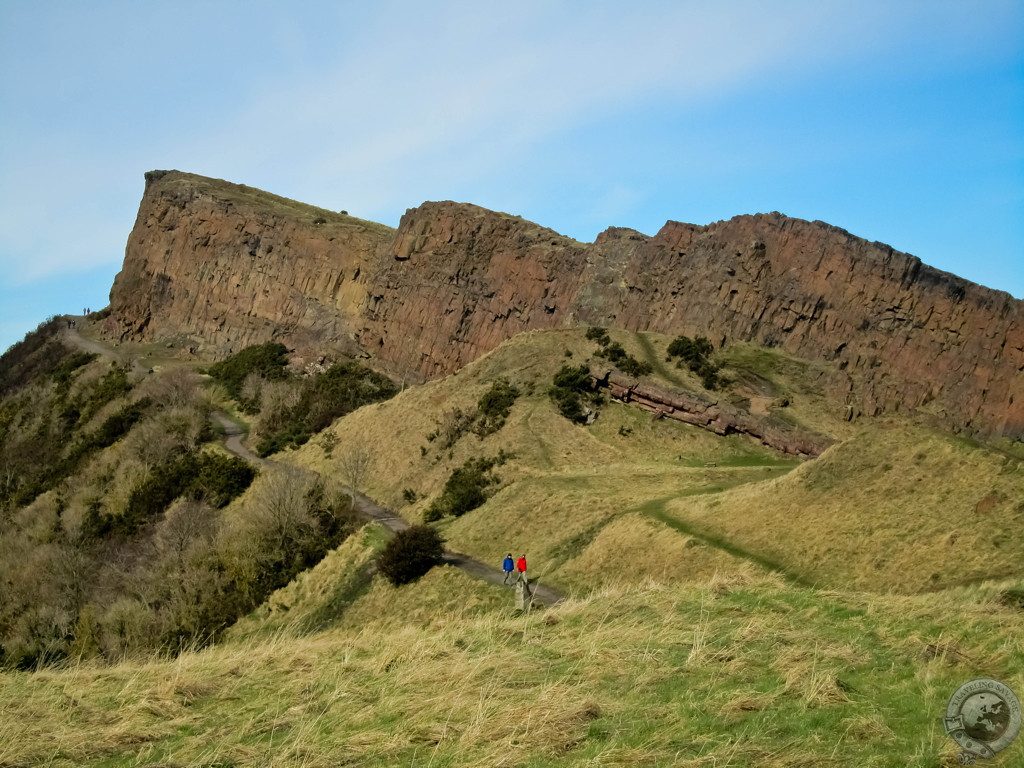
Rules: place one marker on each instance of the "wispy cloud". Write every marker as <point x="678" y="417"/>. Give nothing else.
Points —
<point x="375" y="110"/>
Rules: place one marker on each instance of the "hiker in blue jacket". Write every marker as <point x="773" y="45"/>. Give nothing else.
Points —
<point x="508" y="565"/>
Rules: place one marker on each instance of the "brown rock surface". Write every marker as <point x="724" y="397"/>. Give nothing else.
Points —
<point x="712" y="415"/>
<point x="232" y="265"/>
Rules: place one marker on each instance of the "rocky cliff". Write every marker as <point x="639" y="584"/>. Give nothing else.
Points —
<point x="228" y="266"/>
<point x="232" y="265"/>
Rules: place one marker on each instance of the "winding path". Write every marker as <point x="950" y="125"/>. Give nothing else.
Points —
<point x="371" y="510"/>
<point x="234" y="443"/>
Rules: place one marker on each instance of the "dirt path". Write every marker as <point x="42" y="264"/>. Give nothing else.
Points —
<point x="106" y="351"/>
<point x="234" y="435"/>
<point x="370" y="509"/>
<point x="234" y="443"/>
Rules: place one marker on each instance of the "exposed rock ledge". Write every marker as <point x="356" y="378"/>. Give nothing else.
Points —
<point x="720" y="418"/>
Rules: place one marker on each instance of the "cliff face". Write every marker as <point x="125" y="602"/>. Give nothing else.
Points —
<point x="233" y="266"/>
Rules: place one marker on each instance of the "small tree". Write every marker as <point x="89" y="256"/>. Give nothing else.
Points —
<point x="410" y="554"/>
<point x="355" y="465"/>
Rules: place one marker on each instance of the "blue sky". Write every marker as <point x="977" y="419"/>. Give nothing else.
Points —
<point x="901" y="122"/>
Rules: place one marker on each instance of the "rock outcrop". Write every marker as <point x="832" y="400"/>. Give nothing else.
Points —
<point x="233" y="265"/>
<point x="712" y="415"/>
<point x="230" y="266"/>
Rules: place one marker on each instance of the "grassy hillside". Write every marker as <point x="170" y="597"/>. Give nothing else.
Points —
<point x="894" y="505"/>
<point x="728" y="605"/>
<point x="733" y="672"/>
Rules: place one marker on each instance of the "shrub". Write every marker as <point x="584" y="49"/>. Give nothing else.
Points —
<point x="616" y="354"/>
<point x="695" y="354"/>
<point x="568" y="386"/>
<point x="466" y="488"/>
<point x="409" y="495"/>
<point x="411" y="554"/>
<point x="488" y="417"/>
<point x="600" y="335"/>
<point x="211" y="477"/>
<point x="494" y="406"/>
<point x="266" y="360"/>
<point x="38" y="354"/>
<point x="324" y="397"/>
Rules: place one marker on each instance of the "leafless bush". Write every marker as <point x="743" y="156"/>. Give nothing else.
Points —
<point x="275" y="525"/>
<point x="277" y="398"/>
<point x="252" y="388"/>
<point x="173" y="388"/>
<point x="355" y="464"/>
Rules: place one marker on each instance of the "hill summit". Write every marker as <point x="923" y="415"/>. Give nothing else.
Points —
<point x="228" y="265"/>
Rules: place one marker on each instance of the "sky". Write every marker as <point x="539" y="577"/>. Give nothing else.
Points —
<point x="900" y="122"/>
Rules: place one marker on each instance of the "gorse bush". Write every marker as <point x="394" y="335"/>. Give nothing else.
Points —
<point x="411" y="554"/>
<point x="39" y="354"/>
<point x="492" y="409"/>
<point x="695" y="354"/>
<point x="616" y="354"/>
<point x="209" y="477"/>
<point x="466" y="489"/>
<point x="49" y="474"/>
<point x="324" y="397"/>
<point x="494" y="406"/>
<point x="569" y="388"/>
<point x="268" y="361"/>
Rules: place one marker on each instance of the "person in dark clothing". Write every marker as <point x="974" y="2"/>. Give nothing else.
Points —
<point x="507" y="565"/>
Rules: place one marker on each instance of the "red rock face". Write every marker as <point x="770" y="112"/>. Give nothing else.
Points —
<point x="230" y="266"/>
<point x="454" y="281"/>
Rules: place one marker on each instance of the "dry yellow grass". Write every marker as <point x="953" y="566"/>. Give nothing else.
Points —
<point x="896" y="507"/>
<point x="739" y="672"/>
<point x="643" y="548"/>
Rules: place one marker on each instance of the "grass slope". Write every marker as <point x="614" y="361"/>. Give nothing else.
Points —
<point x="894" y="505"/>
<point x="564" y="483"/>
<point x="736" y="672"/>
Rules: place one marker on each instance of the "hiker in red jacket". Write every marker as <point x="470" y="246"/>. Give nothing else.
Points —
<point x="521" y="566"/>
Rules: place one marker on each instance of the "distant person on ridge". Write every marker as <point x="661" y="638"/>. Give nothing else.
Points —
<point x="507" y="565"/>
<point x="521" y="566"/>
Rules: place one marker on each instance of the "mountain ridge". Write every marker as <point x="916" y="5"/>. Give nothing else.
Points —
<point x="454" y="280"/>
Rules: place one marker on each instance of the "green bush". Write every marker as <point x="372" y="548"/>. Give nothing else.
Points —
<point x="38" y="354"/>
<point x="466" y="488"/>
<point x="267" y="360"/>
<point x="494" y="406"/>
<point x="616" y="354"/>
<point x="411" y="554"/>
<point x="568" y="387"/>
<point x="600" y="335"/>
<point x="49" y="473"/>
<point x="210" y="477"/>
<point x="327" y="396"/>
<point x="695" y="354"/>
<point x="112" y="386"/>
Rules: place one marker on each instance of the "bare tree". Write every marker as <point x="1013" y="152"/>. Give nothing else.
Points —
<point x="355" y="465"/>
